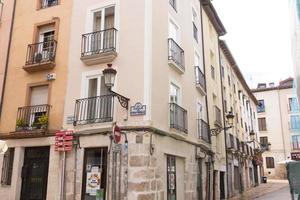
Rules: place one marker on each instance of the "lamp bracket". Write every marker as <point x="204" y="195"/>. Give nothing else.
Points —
<point x="124" y="101"/>
<point x="217" y="131"/>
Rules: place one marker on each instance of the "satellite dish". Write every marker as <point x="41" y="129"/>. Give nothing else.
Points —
<point x="3" y="147"/>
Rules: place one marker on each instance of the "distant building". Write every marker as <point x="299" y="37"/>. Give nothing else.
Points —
<point x="279" y="125"/>
<point x="295" y="18"/>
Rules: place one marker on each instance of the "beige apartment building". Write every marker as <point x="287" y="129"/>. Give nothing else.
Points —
<point x="279" y="125"/>
<point x="244" y="159"/>
<point x="6" y="22"/>
<point x="157" y="73"/>
<point x="33" y="101"/>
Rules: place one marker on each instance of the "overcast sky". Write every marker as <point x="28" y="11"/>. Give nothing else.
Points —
<point x="258" y="35"/>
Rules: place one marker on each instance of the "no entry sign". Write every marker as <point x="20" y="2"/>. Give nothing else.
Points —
<point x="117" y="134"/>
<point x="64" y="141"/>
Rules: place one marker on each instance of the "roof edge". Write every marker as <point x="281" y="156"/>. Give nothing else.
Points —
<point x="213" y="16"/>
<point x="236" y="69"/>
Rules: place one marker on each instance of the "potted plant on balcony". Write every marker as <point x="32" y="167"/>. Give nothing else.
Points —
<point x="20" y="125"/>
<point x="43" y="121"/>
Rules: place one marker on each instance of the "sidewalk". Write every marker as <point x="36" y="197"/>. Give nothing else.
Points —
<point x="262" y="189"/>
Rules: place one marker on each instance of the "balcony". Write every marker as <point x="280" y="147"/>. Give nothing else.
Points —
<point x="218" y="118"/>
<point x="176" y="56"/>
<point x="178" y="118"/>
<point x="203" y="130"/>
<point x="94" y="110"/>
<point x="48" y="3"/>
<point x="30" y="118"/>
<point x="40" y="56"/>
<point x="200" y="81"/>
<point x="264" y="147"/>
<point x="99" y="47"/>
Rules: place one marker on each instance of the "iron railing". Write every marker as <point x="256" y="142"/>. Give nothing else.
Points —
<point x="178" y="118"/>
<point x="32" y="117"/>
<point x="264" y="146"/>
<point x="99" y="42"/>
<point x="41" y="52"/>
<point x="48" y="3"/>
<point x="218" y="118"/>
<point x="176" y="53"/>
<point x="94" y="110"/>
<point x="203" y="130"/>
<point x="200" y="78"/>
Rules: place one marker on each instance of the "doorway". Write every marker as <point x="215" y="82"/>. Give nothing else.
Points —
<point x="222" y="185"/>
<point x="35" y="173"/>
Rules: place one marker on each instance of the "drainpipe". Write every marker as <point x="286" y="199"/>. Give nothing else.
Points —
<point x="206" y="102"/>
<point x="224" y="122"/>
<point x="8" y="54"/>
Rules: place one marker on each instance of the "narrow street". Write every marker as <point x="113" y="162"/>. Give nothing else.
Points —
<point x="273" y="190"/>
<point x="281" y="194"/>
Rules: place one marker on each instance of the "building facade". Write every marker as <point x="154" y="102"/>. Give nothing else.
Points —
<point x="33" y="100"/>
<point x="165" y="95"/>
<point x="243" y="152"/>
<point x="278" y="122"/>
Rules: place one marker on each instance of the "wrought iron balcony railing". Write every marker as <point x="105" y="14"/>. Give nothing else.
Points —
<point x="178" y="118"/>
<point x="218" y="118"/>
<point x="32" y="118"/>
<point x="176" y="53"/>
<point x="200" y="78"/>
<point x="41" y="52"/>
<point x="94" y="110"/>
<point x="48" y="3"/>
<point x="99" y="42"/>
<point x="203" y="130"/>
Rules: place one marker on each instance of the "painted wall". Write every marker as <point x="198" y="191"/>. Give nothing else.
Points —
<point x="23" y="34"/>
<point x="5" y="26"/>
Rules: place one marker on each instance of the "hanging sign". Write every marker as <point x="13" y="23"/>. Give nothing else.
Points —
<point x="64" y="141"/>
<point x="116" y="134"/>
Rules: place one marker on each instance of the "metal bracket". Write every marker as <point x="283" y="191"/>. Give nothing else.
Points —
<point x="217" y="131"/>
<point x="124" y="101"/>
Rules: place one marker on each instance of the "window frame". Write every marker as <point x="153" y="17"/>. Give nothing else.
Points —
<point x="270" y="164"/>
<point x="169" y="159"/>
<point x="262" y="108"/>
<point x="173" y="4"/>
<point x="260" y="125"/>
<point x="295" y="122"/>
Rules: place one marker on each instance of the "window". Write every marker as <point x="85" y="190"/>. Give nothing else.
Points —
<point x="173" y="31"/>
<point x="237" y="117"/>
<point x="212" y="72"/>
<point x="263" y="141"/>
<point x="7" y="167"/>
<point x="225" y="106"/>
<point x="262" y="126"/>
<point x="295" y="122"/>
<point x="173" y="4"/>
<point x="234" y="89"/>
<point x="261" y="106"/>
<point x="270" y="162"/>
<point x="95" y="169"/>
<point x="171" y="177"/>
<point x="195" y="29"/>
<point x="174" y="94"/>
<point x="293" y="104"/>
<point x="229" y="81"/>
<point x="48" y="3"/>
<point x="242" y="122"/>
<point x="296" y="142"/>
<point x="222" y="71"/>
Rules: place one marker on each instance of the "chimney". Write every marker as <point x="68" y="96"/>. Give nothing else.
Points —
<point x="261" y="85"/>
<point x="271" y="85"/>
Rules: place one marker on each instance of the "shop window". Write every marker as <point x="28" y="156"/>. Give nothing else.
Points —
<point x="94" y="174"/>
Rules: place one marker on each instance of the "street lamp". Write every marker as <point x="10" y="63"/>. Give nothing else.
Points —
<point x="217" y="131"/>
<point x="109" y="80"/>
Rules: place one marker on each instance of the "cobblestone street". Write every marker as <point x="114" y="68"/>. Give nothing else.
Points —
<point x="273" y="190"/>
